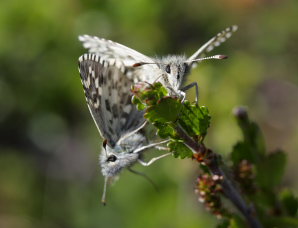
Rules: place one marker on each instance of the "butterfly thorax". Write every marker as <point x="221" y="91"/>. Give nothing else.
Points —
<point x="122" y="155"/>
<point x="174" y="69"/>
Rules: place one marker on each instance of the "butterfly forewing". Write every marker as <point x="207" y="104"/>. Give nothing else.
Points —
<point x="108" y="95"/>
<point x="111" y="51"/>
<point x="108" y="49"/>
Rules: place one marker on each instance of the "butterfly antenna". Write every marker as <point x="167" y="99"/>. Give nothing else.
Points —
<point x="141" y="64"/>
<point x="145" y="176"/>
<point x="209" y="57"/>
<point x="103" y="198"/>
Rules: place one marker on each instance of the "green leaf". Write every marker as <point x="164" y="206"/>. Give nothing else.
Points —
<point x="165" y="130"/>
<point x="252" y="136"/>
<point x="194" y="119"/>
<point x="265" y="199"/>
<point x="136" y="101"/>
<point x="234" y="222"/>
<point x="237" y="222"/>
<point x="282" y="222"/>
<point x="257" y="139"/>
<point x="179" y="149"/>
<point x="225" y="223"/>
<point x="242" y="151"/>
<point x="289" y="202"/>
<point x="166" y="110"/>
<point x="148" y="94"/>
<point x="270" y="171"/>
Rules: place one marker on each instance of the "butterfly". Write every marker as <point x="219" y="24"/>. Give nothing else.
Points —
<point x="107" y="92"/>
<point x="170" y="70"/>
<point x="107" y="73"/>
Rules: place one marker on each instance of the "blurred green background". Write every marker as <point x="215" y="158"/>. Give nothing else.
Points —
<point x="49" y="144"/>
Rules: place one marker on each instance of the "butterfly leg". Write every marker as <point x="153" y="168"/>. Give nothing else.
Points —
<point x="189" y="87"/>
<point x="149" y="146"/>
<point x="153" y="159"/>
<point x="180" y="94"/>
<point x="145" y="176"/>
<point x="162" y="148"/>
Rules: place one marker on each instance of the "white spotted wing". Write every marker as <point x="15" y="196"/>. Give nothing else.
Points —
<point x="112" y="51"/>
<point x="108" y="95"/>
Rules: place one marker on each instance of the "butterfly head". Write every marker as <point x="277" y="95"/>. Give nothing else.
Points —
<point x="113" y="160"/>
<point x="175" y="69"/>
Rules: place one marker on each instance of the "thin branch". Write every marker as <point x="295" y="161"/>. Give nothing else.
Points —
<point x="230" y="190"/>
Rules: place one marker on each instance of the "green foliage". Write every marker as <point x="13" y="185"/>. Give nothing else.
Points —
<point x="281" y="221"/>
<point x="257" y="173"/>
<point x="270" y="171"/>
<point x="289" y="202"/>
<point x="194" y="119"/>
<point x="147" y="94"/>
<point x="165" y="130"/>
<point x="179" y="149"/>
<point x="266" y="173"/>
<point x="225" y="223"/>
<point x="252" y="148"/>
<point x="234" y="221"/>
<point x="166" y="113"/>
<point x="166" y="110"/>
<point x="242" y="151"/>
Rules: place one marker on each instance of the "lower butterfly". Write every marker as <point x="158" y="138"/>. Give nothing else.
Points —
<point x="107" y="92"/>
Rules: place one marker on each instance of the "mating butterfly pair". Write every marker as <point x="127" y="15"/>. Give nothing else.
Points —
<point x="108" y="71"/>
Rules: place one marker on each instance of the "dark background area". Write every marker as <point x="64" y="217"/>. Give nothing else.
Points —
<point x="49" y="144"/>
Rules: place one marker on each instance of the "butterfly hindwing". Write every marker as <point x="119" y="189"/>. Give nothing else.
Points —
<point x="108" y="95"/>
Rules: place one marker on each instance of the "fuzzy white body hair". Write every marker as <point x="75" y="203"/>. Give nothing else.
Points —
<point x="174" y="71"/>
<point x="122" y="155"/>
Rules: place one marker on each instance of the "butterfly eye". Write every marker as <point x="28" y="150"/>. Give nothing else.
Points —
<point x="168" y="69"/>
<point x="112" y="158"/>
<point x="185" y="67"/>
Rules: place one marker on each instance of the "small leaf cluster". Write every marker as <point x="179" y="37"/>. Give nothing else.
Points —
<point x="259" y="175"/>
<point x="166" y="112"/>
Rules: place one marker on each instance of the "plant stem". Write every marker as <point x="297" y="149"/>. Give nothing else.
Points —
<point x="229" y="188"/>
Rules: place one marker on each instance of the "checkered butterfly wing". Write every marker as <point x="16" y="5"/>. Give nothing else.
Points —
<point x="108" y="95"/>
<point x="110" y="50"/>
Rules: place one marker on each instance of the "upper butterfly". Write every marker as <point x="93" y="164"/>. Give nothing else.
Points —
<point x="171" y="70"/>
